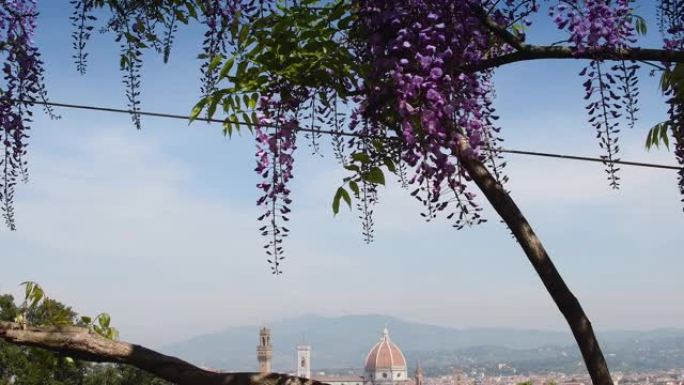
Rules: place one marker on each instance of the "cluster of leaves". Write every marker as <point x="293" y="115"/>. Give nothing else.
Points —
<point x="33" y="366"/>
<point x="40" y="310"/>
<point x="290" y="55"/>
<point x="672" y="86"/>
<point x="671" y="23"/>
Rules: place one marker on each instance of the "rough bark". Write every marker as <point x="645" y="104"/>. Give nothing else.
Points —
<point x="567" y="303"/>
<point x="81" y="343"/>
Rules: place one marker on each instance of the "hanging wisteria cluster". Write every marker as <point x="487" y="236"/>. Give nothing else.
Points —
<point x="416" y="88"/>
<point x="276" y="136"/>
<point x="403" y="85"/>
<point x="22" y="71"/>
<point x="671" y="15"/>
<point x="596" y="25"/>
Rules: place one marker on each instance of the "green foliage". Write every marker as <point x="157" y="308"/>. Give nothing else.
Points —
<point x="39" y="310"/>
<point x="640" y="25"/>
<point x="672" y="85"/>
<point x="297" y="44"/>
<point x="658" y="135"/>
<point x="21" y="365"/>
<point x="673" y="78"/>
<point x="340" y="194"/>
<point x="375" y="176"/>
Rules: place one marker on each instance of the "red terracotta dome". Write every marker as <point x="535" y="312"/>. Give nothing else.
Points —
<point x="385" y="355"/>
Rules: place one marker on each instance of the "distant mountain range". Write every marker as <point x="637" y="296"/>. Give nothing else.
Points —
<point x="341" y="344"/>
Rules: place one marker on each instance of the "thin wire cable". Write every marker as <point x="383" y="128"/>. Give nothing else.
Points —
<point x="589" y="159"/>
<point x="339" y="133"/>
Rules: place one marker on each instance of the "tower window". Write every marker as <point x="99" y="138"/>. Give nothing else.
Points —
<point x="384" y="375"/>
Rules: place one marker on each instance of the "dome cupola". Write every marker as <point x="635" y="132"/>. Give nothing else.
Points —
<point x="385" y="362"/>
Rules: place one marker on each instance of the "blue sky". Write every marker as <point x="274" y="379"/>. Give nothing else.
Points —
<point x="158" y="227"/>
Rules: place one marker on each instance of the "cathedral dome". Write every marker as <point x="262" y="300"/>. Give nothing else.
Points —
<point x="385" y="355"/>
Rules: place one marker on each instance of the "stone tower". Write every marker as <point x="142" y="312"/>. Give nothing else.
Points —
<point x="420" y="378"/>
<point x="264" y="351"/>
<point x="304" y="361"/>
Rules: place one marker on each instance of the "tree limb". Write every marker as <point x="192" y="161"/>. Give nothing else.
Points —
<point x="81" y="343"/>
<point x="503" y="33"/>
<point x="567" y="303"/>
<point x="528" y="52"/>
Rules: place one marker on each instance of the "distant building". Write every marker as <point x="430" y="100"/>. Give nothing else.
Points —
<point x="385" y="363"/>
<point x="264" y="351"/>
<point x="304" y="361"/>
<point x="420" y="377"/>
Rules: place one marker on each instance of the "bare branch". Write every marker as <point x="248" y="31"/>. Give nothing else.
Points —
<point x="81" y="343"/>
<point x="534" y="52"/>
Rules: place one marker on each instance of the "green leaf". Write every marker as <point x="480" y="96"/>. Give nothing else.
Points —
<point x="640" y="25"/>
<point x="361" y="157"/>
<point x="354" y="187"/>
<point x="658" y="135"/>
<point x="215" y="61"/>
<point x="227" y="128"/>
<point x="103" y="320"/>
<point x="352" y="167"/>
<point x="242" y="37"/>
<point x="390" y="165"/>
<point x="197" y="109"/>
<point x="33" y="293"/>
<point x="340" y="194"/>
<point x="213" y="102"/>
<point x="375" y="176"/>
<point x="227" y="66"/>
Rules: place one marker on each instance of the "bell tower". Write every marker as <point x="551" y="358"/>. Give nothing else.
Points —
<point x="264" y="351"/>
<point x="304" y="361"/>
<point x="420" y="378"/>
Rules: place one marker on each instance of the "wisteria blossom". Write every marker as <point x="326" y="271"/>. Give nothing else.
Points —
<point x="416" y="73"/>
<point x="22" y="84"/>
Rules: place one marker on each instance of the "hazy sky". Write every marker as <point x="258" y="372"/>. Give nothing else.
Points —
<point x="158" y="227"/>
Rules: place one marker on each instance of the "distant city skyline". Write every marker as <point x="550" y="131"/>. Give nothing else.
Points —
<point x="158" y="227"/>
<point x="343" y="343"/>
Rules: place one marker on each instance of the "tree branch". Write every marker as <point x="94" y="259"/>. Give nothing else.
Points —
<point x="567" y="303"/>
<point x="81" y="343"/>
<point x="498" y="30"/>
<point x="534" y="52"/>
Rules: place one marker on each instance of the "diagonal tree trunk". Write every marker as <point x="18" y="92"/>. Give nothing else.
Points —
<point x="567" y="303"/>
